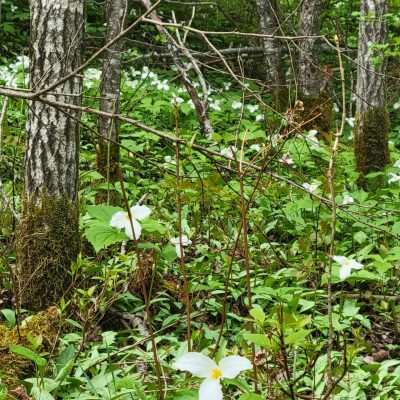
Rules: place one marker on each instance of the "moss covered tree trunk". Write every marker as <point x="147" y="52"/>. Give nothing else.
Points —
<point x="107" y="148"/>
<point x="269" y="12"/>
<point x="48" y="235"/>
<point x="312" y="81"/>
<point x="372" y="120"/>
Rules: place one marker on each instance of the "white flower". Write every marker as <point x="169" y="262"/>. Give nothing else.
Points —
<point x="216" y="105"/>
<point x="252" y="108"/>
<point x="396" y="105"/>
<point x="92" y="74"/>
<point x="397" y="164"/>
<point x="176" y="242"/>
<point x="346" y="265"/>
<point x="335" y="108"/>
<point x="237" y="105"/>
<point x="286" y="159"/>
<point x="393" y="178"/>
<point x="176" y="100"/>
<point x="163" y="85"/>
<point x="312" y="137"/>
<point x="181" y="90"/>
<point x="347" y="199"/>
<point x="311" y="187"/>
<point x="191" y="104"/>
<point x="203" y="367"/>
<point x="255" y="147"/>
<point x="350" y="121"/>
<point x="132" y="84"/>
<point x="259" y="117"/>
<point x="227" y="85"/>
<point x="121" y="220"/>
<point x="167" y="159"/>
<point x="228" y="151"/>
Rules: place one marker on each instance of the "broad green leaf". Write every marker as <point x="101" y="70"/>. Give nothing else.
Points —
<point x="28" y="354"/>
<point x="103" y="213"/>
<point x="9" y="315"/>
<point x="101" y="235"/>
<point x="258" y="314"/>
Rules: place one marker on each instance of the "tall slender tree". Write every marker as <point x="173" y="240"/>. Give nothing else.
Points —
<point x="372" y="119"/>
<point x="269" y="12"/>
<point x="107" y="147"/>
<point x="48" y="235"/>
<point x="310" y="77"/>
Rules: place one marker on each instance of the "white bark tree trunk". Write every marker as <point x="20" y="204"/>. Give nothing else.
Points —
<point x="48" y="235"/>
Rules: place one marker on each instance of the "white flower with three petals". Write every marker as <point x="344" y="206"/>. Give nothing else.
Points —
<point x="177" y="243"/>
<point x="204" y="367"/>
<point x="346" y="265"/>
<point x="121" y="220"/>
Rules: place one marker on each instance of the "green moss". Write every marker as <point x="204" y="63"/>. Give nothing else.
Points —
<point x="371" y="143"/>
<point x="45" y="325"/>
<point x="47" y="244"/>
<point x="317" y="114"/>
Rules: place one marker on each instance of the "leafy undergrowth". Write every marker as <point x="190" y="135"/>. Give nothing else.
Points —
<point x="125" y="323"/>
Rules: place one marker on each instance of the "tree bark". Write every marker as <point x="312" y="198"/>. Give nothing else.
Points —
<point x="107" y="147"/>
<point x="268" y="11"/>
<point x="48" y="235"/>
<point x="372" y="119"/>
<point x="311" y="79"/>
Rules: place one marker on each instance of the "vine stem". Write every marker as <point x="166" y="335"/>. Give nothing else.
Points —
<point x="331" y="183"/>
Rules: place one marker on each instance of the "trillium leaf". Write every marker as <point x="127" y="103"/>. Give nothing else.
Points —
<point x="153" y="226"/>
<point x="28" y="354"/>
<point x="103" y="213"/>
<point x="101" y="235"/>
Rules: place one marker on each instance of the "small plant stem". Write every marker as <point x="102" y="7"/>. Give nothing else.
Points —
<point x="331" y="183"/>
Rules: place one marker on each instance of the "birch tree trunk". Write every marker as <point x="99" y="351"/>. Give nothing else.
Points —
<point x="268" y="11"/>
<point x="107" y="147"/>
<point x="372" y="119"/>
<point x="48" y="235"/>
<point x="311" y="80"/>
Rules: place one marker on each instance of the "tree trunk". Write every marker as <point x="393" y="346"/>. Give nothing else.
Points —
<point x="48" y="235"/>
<point x="107" y="148"/>
<point x="312" y="81"/>
<point x="372" y="119"/>
<point x="268" y="11"/>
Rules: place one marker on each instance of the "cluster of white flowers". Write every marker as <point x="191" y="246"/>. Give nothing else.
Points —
<point x="229" y="152"/>
<point x="8" y="74"/>
<point x="215" y="105"/>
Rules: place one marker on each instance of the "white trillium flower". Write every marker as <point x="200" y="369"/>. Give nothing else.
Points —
<point x="216" y="105"/>
<point x="229" y="151"/>
<point x="255" y="147"/>
<point x="393" y="178"/>
<point x="350" y="121"/>
<point x="347" y="199"/>
<point x="176" y="100"/>
<point x="397" y="164"/>
<point x="396" y="105"/>
<point x="227" y="85"/>
<point x="252" y="108"/>
<point x="311" y="187"/>
<point x="237" y="105"/>
<point x="346" y="265"/>
<point x="311" y="137"/>
<point x="203" y="367"/>
<point x="286" y="159"/>
<point x="335" y="108"/>
<point x="177" y="243"/>
<point x="259" y="117"/>
<point x="121" y="220"/>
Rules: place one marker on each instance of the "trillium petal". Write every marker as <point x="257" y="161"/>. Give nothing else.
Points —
<point x="140" y="212"/>
<point x="136" y="227"/>
<point x="340" y="259"/>
<point x="355" y="264"/>
<point x="210" y="389"/>
<point x="344" y="272"/>
<point x="118" y="220"/>
<point x="232" y="366"/>
<point x="196" y="363"/>
<point x="179" y="251"/>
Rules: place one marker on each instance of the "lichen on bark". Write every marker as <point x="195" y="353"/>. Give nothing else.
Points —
<point x="47" y="244"/>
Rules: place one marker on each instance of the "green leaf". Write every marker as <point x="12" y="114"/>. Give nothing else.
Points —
<point x="103" y="213"/>
<point x="9" y="315"/>
<point x="258" y="314"/>
<point x="151" y="226"/>
<point x="260" y="340"/>
<point x="101" y="235"/>
<point x="28" y="354"/>
<point x="251" y="396"/>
